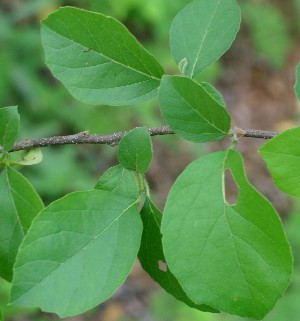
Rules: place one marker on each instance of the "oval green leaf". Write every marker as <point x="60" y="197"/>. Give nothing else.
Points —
<point x="119" y="180"/>
<point x="78" y="251"/>
<point x="135" y="150"/>
<point x="282" y="156"/>
<point x="232" y="257"/>
<point x="19" y="204"/>
<point x="152" y="257"/>
<point x="192" y="111"/>
<point x="97" y="59"/>
<point x="202" y="32"/>
<point x="9" y="127"/>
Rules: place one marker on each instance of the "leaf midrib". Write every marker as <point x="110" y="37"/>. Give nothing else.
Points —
<point x="101" y="54"/>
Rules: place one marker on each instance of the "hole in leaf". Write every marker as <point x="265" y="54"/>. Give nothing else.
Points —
<point x="231" y="188"/>
<point x="162" y="266"/>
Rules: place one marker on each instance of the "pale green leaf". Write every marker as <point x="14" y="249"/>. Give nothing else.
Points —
<point x="282" y="156"/>
<point x="192" y="111"/>
<point x="232" y="257"/>
<point x="78" y="251"/>
<point x="29" y="157"/>
<point x="97" y="59"/>
<point x="9" y="127"/>
<point x="202" y="32"/>
<point x="119" y="180"/>
<point x="153" y="260"/>
<point x="297" y="85"/>
<point x="19" y="204"/>
<point x="135" y="150"/>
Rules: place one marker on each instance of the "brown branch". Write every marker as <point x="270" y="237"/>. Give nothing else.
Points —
<point x="113" y="139"/>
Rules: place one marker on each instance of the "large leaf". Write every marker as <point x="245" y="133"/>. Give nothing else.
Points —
<point x="78" y="251"/>
<point x="282" y="155"/>
<point x="9" y="127"/>
<point x="135" y="150"/>
<point x="97" y="59"/>
<point x="192" y="111"/>
<point x="19" y="204"/>
<point x="202" y="32"/>
<point x="151" y="256"/>
<point x="297" y="85"/>
<point x="121" y="181"/>
<point x="232" y="257"/>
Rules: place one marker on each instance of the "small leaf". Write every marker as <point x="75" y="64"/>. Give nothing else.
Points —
<point x="282" y="156"/>
<point x="119" y="180"/>
<point x="297" y="85"/>
<point x="191" y="110"/>
<point x="182" y="65"/>
<point x="235" y="258"/>
<point x="97" y="59"/>
<point x="135" y="150"/>
<point x="151" y="255"/>
<point x="29" y="157"/>
<point x="9" y="126"/>
<point x="202" y="32"/>
<point x="78" y="251"/>
<point x="19" y="204"/>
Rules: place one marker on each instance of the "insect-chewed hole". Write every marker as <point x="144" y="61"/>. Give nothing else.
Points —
<point x="162" y="266"/>
<point x="231" y="188"/>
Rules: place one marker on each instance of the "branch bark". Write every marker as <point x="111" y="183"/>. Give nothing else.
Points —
<point x="113" y="139"/>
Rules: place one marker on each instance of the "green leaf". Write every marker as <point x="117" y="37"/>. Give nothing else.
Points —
<point x="97" y="59"/>
<point x="29" y="157"/>
<point x="78" y="251"/>
<point x="19" y="204"/>
<point x="202" y="32"/>
<point x="214" y="93"/>
<point x="192" y="111"/>
<point x="297" y="85"/>
<point x="232" y="257"/>
<point x="135" y="150"/>
<point x="151" y="256"/>
<point x="282" y="156"/>
<point x="119" y="180"/>
<point x="9" y="126"/>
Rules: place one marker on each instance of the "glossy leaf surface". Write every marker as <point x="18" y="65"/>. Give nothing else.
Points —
<point x="9" y="126"/>
<point x="192" y="111"/>
<point x="282" y="156"/>
<point x="152" y="257"/>
<point x="135" y="150"/>
<point x="97" y="59"/>
<point x="78" y="251"/>
<point x="232" y="257"/>
<point x="202" y="32"/>
<point x="19" y="204"/>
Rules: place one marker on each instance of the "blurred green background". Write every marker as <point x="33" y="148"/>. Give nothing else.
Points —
<point x="267" y="49"/>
